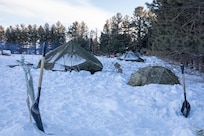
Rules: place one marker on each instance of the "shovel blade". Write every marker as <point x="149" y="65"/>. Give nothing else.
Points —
<point x="186" y="108"/>
<point x="36" y="116"/>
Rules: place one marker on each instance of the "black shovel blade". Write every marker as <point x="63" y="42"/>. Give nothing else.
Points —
<point x="36" y="116"/>
<point x="186" y="108"/>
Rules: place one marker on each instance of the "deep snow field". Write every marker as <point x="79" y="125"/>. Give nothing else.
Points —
<point x="102" y="104"/>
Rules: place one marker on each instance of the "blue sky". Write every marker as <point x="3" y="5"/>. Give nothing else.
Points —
<point x="93" y="12"/>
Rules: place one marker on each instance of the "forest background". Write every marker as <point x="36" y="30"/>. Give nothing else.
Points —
<point x="169" y="29"/>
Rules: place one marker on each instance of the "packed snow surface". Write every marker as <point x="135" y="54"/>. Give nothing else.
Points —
<point x="102" y="104"/>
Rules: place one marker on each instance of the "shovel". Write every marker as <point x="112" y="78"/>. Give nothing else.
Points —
<point x="35" y="108"/>
<point x="186" y="105"/>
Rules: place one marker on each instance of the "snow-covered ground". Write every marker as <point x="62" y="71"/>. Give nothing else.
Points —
<point x="102" y="104"/>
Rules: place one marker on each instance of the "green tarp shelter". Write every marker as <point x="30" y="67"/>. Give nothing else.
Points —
<point x="71" y="56"/>
<point x="153" y="75"/>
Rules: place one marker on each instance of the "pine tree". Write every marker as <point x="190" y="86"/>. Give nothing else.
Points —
<point x="179" y="31"/>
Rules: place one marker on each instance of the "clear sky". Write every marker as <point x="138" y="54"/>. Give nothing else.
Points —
<point x="93" y="12"/>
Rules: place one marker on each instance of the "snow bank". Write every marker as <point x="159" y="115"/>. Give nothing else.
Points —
<point x="102" y="104"/>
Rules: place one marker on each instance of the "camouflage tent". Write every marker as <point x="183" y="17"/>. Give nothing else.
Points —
<point x="71" y="56"/>
<point x="153" y="75"/>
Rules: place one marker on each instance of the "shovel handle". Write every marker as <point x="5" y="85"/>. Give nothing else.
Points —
<point x="182" y="69"/>
<point x="44" y="49"/>
<point x="42" y="65"/>
<point x="183" y="79"/>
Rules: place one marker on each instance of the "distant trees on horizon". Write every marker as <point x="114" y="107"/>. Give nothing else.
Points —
<point x="169" y="29"/>
<point x="119" y="32"/>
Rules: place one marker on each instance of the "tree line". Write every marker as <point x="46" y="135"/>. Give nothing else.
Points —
<point x="29" y="39"/>
<point x="119" y="32"/>
<point x="172" y="29"/>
